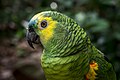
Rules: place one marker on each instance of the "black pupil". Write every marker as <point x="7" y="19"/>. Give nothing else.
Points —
<point x="43" y="24"/>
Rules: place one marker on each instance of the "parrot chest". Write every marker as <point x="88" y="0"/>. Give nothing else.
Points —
<point x="70" y="68"/>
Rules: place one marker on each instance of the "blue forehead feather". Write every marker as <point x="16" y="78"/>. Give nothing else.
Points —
<point x="32" y="23"/>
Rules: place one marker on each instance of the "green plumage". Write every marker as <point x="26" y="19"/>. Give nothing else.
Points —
<point x="68" y="53"/>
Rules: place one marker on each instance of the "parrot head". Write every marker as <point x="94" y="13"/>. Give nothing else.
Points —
<point x="56" y="32"/>
<point x="45" y="28"/>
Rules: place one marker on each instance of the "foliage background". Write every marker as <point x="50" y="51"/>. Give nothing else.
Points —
<point x="100" y="18"/>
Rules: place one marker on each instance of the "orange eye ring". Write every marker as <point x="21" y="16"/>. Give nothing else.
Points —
<point x="43" y="24"/>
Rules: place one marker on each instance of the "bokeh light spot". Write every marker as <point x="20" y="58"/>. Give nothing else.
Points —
<point x="53" y="5"/>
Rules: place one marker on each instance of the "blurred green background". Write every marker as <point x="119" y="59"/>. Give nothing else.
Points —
<point x="100" y="19"/>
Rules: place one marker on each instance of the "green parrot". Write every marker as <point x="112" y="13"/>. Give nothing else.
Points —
<point x="68" y="52"/>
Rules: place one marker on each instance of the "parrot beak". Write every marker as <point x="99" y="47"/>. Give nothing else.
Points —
<point x="32" y="37"/>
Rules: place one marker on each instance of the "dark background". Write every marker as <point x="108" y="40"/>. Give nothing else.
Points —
<point x="100" y="19"/>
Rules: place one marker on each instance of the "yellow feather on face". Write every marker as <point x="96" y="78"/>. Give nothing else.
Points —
<point x="46" y="33"/>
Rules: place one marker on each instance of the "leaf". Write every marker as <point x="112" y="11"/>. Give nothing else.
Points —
<point x="117" y="35"/>
<point x="100" y="26"/>
<point x="109" y="2"/>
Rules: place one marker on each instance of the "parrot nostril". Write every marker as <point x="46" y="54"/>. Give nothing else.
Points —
<point x="31" y="30"/>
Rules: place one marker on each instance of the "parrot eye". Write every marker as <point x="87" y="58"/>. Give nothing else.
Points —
<point x="43" y="24"/>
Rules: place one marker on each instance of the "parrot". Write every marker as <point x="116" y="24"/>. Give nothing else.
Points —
<point x="68" y="52"/>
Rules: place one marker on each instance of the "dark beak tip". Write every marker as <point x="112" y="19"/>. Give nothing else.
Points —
<point x="30" y="44"/>
<point x="32" y="47"/>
